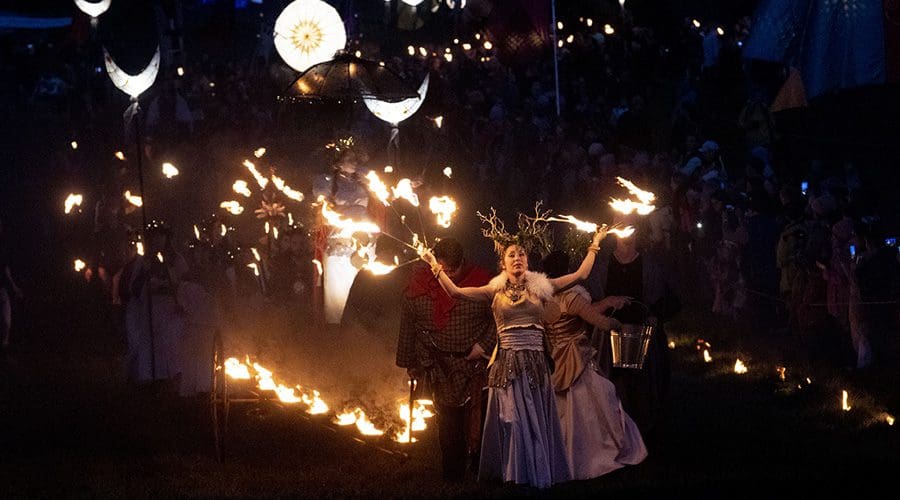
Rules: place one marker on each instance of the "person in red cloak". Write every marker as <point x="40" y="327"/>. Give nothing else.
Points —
<point x="444" y="344"/>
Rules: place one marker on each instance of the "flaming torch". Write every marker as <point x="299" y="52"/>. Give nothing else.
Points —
<point x="72" y="201"/>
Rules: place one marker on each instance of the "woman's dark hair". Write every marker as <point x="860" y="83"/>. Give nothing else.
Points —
<point x="556" y="264"/>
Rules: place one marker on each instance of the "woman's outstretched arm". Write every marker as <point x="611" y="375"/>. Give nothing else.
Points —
<point x="584" y="270"/>
<point x="478" y="293"/>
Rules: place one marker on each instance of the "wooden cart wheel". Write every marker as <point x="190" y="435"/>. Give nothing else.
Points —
<point x="218" y="396"/>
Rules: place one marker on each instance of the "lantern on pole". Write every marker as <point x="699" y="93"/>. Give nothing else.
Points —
<point x="308" y="32"/>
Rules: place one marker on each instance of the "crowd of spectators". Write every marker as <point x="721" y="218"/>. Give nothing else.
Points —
<point x="797" y="250"/>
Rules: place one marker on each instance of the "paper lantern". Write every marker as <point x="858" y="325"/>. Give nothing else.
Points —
<point x="132" y="85"/>
<point x="308" y="32"/>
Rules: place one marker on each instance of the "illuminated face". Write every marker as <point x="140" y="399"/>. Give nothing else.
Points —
<point x="515" y="260"/>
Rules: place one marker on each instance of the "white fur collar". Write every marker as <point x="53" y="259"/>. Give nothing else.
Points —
<point x="537" y="284"/>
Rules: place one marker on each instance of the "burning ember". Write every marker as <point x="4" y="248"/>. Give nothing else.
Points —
<point x="72" y="201"/>
<point x="739" y="367"/>
<point x="782" y="372"/>
<point x="845" y="405"/>
<point x="443" y="207"/>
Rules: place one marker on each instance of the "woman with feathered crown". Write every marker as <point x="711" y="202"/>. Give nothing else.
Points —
<point x="522" y="442"/>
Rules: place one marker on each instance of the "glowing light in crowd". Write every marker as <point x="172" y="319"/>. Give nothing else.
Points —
<point x="223" y="230"/>
<point x="423" y="52"/>
<point x="196" y="231"/>
<point x="720" y="31"/>
<point x="139" y="247"/>
<point x="259" y="152"/>
<point x="255" y="253"/>
<point x="443" y="207"/>
<point x="254" y="267"/>
<point x="79" y="265"/>
<point x="739" y="367"/>
<point x="570" y="38"/>
<point x="159" y="257"/>
<point x="889" y="419"/>
<point x="478" y="36"/>
<point x="357" y="53"/>
<point x="448" y="57"/>
<point x="260" y="179"/>
<point x="308" y="32"/>
<point x="411" y="50"/>
<point x="559" y="25"/>
<point x="120" y="155"/>
<point x="169" y="170"/>
<point x="404" y="190"/>
<point x="845" y="404"/>
<point x="267" y="227"/>
<point x="438" y="121"/>
<point x="132" y="85"/>
<point x="706" y="357"/>
<point x="448" y="172"/>
<point x="608" y="29"/>
<point x="134" y="199"/>
<point x="74" y="144"/>
<point x="232" y="206"/>
<point x="388" y="169"/>
<point x="412" y="3"/>
<point x="589" y="22"/>
<point x="240" y="187"/>
<point x="488" y="45"/>
<point x="275" y="232"/>
<point x="622" y="4"/>
<point x="671" y="344"/>
<point x="558" y="44"/>
<point x="782" y="372"/>
<point x="93" y="9"/>
<point x="287" y="190"/>
<point x="180" y="71"/>
<point x="72" y="201"/>
<point x="696" y="23"/>
<point x="467" y="46"/>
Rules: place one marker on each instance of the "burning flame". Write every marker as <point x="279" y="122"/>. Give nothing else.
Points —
<point x="255" y="268"/>
<point x="643" y="206"/>
<point x="236" y="370"/>
<point x="159" y="257"/>
<point x="139" y="245"/>
<point x="133" y="199"/>
<point x="316" y="405"/>
<point x="232" y="206"/>
<point x="706" y="356"/>
<point x="739" y="367"/>
<point x="74" y="144"/>
<point x="439" y="122"/>
<point x="287" y="190"/>
<point x="419" y="413"/>
<point x="347" y="226"/>
<point x="443" y="207"/>
<point x="255" y="253"/>
<point x="588" y="227"/>
<point x="365" y="426"/>
<point x="196" y="231"/>
<point x="622" y="233"/>
<point x="169" y="170"/>
<point x="889" y="419"/>
<point x="120" y="155"/>
<point x="671" y="344"/>
<point x="223" y="230"/>
<point x="782" y="372"/>
<point x="845" y="405"/>
<point x="72" y="201"/>
<point x="260" y="179"/>
<point x="318" y="265"/>
<point x="240" y="187"/>
<point x="448" y="172"/>
<point x="259" y="152"/>
<point x="388" y="169"/>
<point x="79" y="265"/>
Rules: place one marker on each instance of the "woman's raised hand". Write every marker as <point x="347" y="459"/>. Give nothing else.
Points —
<point x="428" y="257"/>
<point x="601" y="233"/>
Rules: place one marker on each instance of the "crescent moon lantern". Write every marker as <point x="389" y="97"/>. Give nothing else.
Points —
<point x="396" y="112"/>
<point x="132" y="85"/>
<point x="93" y="9"/>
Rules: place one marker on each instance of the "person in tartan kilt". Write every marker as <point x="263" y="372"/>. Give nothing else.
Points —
<point x="444" y="344"/>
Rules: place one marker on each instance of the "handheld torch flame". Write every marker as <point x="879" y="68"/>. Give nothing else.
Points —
<point x="347" y="227"/>
<point x="443" y="207"/>
<point x="706" y="357"/>
<point x="240" y="187"/>
<point x="845" y="405"/>
<point x="79" y="265"/>
<point x="259" y="152"/>
<point x="378" y="188"/>
<point x="260" y="179"/>
<point x="739" y="367"/>
<point x="404" y="190"/>
<point x="232" y="206"/>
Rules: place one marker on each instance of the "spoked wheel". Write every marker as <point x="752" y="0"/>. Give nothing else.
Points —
<point x="218" y="396"/>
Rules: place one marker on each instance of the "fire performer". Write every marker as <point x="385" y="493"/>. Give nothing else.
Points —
<point x="443" y="344"/>
<point x="522" y="440"/>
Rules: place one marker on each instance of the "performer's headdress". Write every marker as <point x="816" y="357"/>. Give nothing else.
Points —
<point x="533" y="234"/>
